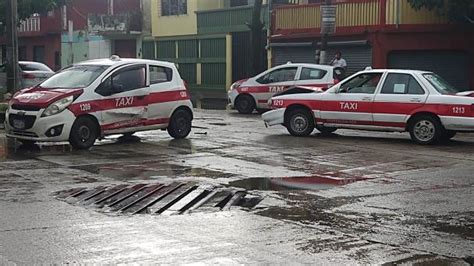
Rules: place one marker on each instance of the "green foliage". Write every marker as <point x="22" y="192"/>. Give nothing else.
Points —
<point x="456" y="10"/>
<point x="3" y="107"/>
<point x="26" y="8"/>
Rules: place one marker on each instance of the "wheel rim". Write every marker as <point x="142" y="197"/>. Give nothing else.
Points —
<point x="424" y="130"/>
<point x="299" y="123"/>
<point x="84" y="133"/>
<point x="244" y="104"/>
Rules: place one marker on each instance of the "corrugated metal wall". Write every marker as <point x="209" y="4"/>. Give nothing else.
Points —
<point x="165" y="50"/>
<point x="190" y="55"/>
<point x="357" y="57"/>
<point x="451" y="65"/>
<point x="148" y="50"/>
<point x="241" y="55"/>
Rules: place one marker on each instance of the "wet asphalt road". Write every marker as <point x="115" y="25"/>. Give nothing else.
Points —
<point x="351" y="198"/>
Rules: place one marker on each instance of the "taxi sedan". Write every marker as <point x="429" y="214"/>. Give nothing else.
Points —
<point x="419" y="102"/>
<point x="254" y="93"/>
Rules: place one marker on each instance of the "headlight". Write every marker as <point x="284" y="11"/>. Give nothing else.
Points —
<point x="58" y="106"/>
<point x="234" y="86"/>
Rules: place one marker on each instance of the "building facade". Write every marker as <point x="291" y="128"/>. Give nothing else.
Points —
<point x="82" y="30"/>
<point x="209" y="40"/>
<point x="377" y="33"/>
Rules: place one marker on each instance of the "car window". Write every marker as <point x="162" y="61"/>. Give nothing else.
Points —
<point x="279" y="75"/>
<point x="441" y="85"/>
<point x="127" y="79"/>
<point x="401" y="84"/>
<point x="312" y="73"/>
<point x="79" y="76"/>
<point x="34" y="67"/>
<point x="159" y="74"/>
<point x="363" y="83"/>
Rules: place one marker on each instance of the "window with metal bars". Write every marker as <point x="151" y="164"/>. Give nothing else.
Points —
<point x="174" y="7"/>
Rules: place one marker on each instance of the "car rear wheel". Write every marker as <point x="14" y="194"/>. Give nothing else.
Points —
<point x="84" y="132"/>
<point x="180" y="124"/>
<point x="300" y="123"/>
<point x="245" y="104"/>
<point x="326" y="130"/>
<point x="426" y="130"/>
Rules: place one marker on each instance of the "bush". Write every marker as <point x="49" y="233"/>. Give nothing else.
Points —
<point x="3" y="107"/>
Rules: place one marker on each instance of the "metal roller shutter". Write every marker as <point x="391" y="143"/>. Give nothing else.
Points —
<point x="451" y="65"/>
<point x="358" y="57"/>
<point x="283" y="55"/>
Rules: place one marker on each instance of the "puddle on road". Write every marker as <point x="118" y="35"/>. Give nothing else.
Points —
<point x="148" y="170"/>
<point x="316" y="182"/>
<point x="3" y="148"/>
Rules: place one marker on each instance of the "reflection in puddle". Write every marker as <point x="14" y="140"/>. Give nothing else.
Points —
<point x="288" y="183"/>
<point x="3" y="147"/>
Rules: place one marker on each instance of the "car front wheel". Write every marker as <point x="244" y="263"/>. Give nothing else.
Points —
<point x="84" y="132"/>
<point x="300" y="123"/>
<point x="180" y="124"/>
<point x="426" y="130"/>
<point x="245" y="104"/>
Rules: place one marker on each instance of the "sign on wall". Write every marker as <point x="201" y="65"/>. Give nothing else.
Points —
<point x="328" y="19"/>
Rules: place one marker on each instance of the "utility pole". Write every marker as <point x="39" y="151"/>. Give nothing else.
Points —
<point x="12" y="46"/>
<point x="324" y="42"/>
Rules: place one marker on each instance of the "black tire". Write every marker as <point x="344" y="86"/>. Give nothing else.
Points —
<point x="180" y="124"/>
<point x="326" y="130"/>
<point x="128" y="134"/>
<point x="300" y="122"/>
<point x="84" y="133"/>
<point x="26" y="142"/>
<point x="426" y="130"/>
<point x="448" y="134"/>
<point x="245" y="104"/>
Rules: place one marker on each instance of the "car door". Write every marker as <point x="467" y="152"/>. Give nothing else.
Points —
<point x="274" y="81"/>
<point x="124" y="99"/>
<point x="311" y="76"/>
<point x="351" y="102"/>
<point x="163" y="92"/>
<point x="401" y="94"/>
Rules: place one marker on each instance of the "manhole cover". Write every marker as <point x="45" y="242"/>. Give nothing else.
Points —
<point x="156" y="198"/>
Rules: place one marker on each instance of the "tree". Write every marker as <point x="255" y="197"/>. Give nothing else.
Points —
<point x="26" y="8"/>
<point x="456" y="10"/>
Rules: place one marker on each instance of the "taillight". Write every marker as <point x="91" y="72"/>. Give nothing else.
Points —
<point x="335" y="81"/>
<point x="186" y="85"/>
<point x="28" y="76"/>
<point x="472" y="109"/>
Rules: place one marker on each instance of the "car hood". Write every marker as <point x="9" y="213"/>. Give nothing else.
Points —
<point x="300" y="90"/>
<point x="466" y="93"/>
<point x="41" y="97"/>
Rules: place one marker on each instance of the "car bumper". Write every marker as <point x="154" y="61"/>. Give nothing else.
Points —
<point x="41" y="125"/>
<point x="458" y="123"/>
<point x="274" y="117"/>
<point x="232" y="95"/>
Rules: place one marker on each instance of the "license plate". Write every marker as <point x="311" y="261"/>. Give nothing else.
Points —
<point x="19" y="124"/>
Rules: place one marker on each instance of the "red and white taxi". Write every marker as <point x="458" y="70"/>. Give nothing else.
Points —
<point x="419" y="102"/>
<point x="254" y="93"/>
<point x="89" y="100"/>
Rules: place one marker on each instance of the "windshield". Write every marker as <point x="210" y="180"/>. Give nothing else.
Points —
<point x="74" y="77"/>
<point x="441" y="85"/>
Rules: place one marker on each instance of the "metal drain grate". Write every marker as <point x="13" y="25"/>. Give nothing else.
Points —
<point x="175" y="198"/>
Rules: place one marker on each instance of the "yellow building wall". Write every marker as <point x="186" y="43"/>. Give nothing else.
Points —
<point x="165" y="26"/>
